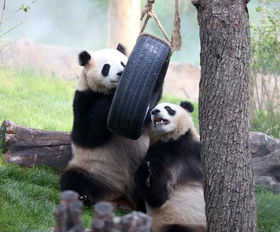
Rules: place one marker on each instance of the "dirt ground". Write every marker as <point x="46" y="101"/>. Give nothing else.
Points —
<point x="182" y="79"/>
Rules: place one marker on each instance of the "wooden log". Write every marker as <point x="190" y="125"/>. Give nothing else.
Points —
<point x="32" y="147"/>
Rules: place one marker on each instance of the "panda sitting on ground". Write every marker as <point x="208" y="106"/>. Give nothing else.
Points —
<point x="170" y="178"/>
<point x="103" y="164"/>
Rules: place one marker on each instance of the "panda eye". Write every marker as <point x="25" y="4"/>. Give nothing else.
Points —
<point x="123" y="64"/>
<point x="170" y="111"/>
<point x="105" y="70"/>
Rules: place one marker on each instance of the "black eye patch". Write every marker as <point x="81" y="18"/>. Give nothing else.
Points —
<point x="170" y="111"/>
<point x="105" y="70"/>
<point x="122" y="64"/>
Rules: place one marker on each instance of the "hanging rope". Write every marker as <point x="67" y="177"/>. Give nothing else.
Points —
<point x="176" y="39"/>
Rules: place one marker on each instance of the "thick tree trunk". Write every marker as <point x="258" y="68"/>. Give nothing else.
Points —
<point x="124" y="22"/>
<point x="223" y="115"/>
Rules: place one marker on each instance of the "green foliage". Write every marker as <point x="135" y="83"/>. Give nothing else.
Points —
<point x="265" y="91"/>
<point x="266" y="122"/>
<point x="265" y="40"/>
<point x="268" y="205"/>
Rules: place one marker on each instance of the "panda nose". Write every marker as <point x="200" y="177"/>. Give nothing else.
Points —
<point x="155" y="111"/>
<point x="120" y="73"/>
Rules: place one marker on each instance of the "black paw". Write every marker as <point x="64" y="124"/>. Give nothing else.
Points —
<point x="86" y="200"/>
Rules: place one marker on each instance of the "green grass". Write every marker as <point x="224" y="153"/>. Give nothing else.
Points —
<point x="29" y="195"/>
<point x="36" y="101"/>
<point x="268" y="209"/>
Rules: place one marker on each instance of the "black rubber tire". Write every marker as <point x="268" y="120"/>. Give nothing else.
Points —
<point x="140" y="87"/>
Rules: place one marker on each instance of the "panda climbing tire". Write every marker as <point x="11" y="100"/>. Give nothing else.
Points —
<point x="140" y="87"/>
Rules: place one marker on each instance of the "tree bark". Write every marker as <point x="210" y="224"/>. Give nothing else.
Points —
<point x="223" y="115"/>
<point x="124" y="22"/>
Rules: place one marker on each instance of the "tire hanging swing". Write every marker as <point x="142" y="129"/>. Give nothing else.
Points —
<point x="141" y="84"/>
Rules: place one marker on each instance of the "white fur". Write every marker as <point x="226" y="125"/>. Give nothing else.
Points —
<point x="185" y="207"/>
<point x="113" y="163"/>
<point x="178" y="124"/>
<point x="91" y="77"/>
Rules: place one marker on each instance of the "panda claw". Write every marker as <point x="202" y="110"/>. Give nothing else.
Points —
<point x="85" y="199"/>
<point x="148" y="180"/>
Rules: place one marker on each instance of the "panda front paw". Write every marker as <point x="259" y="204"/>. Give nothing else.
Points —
<point x="143" y="175"/>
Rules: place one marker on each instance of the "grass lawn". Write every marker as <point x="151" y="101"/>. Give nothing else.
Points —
<point x="29" y="195"/>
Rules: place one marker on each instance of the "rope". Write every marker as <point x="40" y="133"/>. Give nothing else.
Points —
<point x="176" y="39"/>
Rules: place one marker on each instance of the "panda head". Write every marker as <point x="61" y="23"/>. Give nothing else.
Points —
<point x="170" y="121"/>
<point x="102" y="69"/>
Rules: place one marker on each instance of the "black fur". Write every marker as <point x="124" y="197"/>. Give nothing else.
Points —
<point x="84" y="57"/>
<point x="153" y="174"/>
<point x="122" y="64"/>
<point x="81" y="181"/>
<point x="90" y="118"/>
<point x="105" y="70"/>
<point x="187" y="106"/>
<point x="170" y="110"/>
<point x="181" y="228"/>
<point x="122" y="49"/>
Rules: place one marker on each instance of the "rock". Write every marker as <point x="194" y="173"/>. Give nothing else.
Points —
<point x="265" y="152"/>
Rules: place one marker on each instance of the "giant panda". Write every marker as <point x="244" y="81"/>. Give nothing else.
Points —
<point x="103" y="164"/>
<point x="170" y="178"/>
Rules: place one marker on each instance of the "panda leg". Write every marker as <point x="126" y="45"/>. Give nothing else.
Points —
<point x="90" y="189"/>
<point x="151" y="181"/>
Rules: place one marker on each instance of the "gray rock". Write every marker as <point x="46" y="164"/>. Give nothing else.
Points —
<point x="265" y="152"/>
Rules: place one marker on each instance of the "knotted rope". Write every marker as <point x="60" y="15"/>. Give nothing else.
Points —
<point x="176" y="40"/>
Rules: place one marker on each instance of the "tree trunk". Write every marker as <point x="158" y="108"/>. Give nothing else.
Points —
<point x="223" y="115"/>
<point x="124" y="22"/>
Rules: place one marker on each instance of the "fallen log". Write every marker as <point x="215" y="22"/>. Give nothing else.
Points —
<point x="32" y="147"/>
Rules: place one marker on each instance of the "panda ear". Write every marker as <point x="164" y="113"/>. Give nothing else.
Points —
<point x="187" y="106"/>
<point x="84" y="57"/>
<point x="121" y="49"/>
